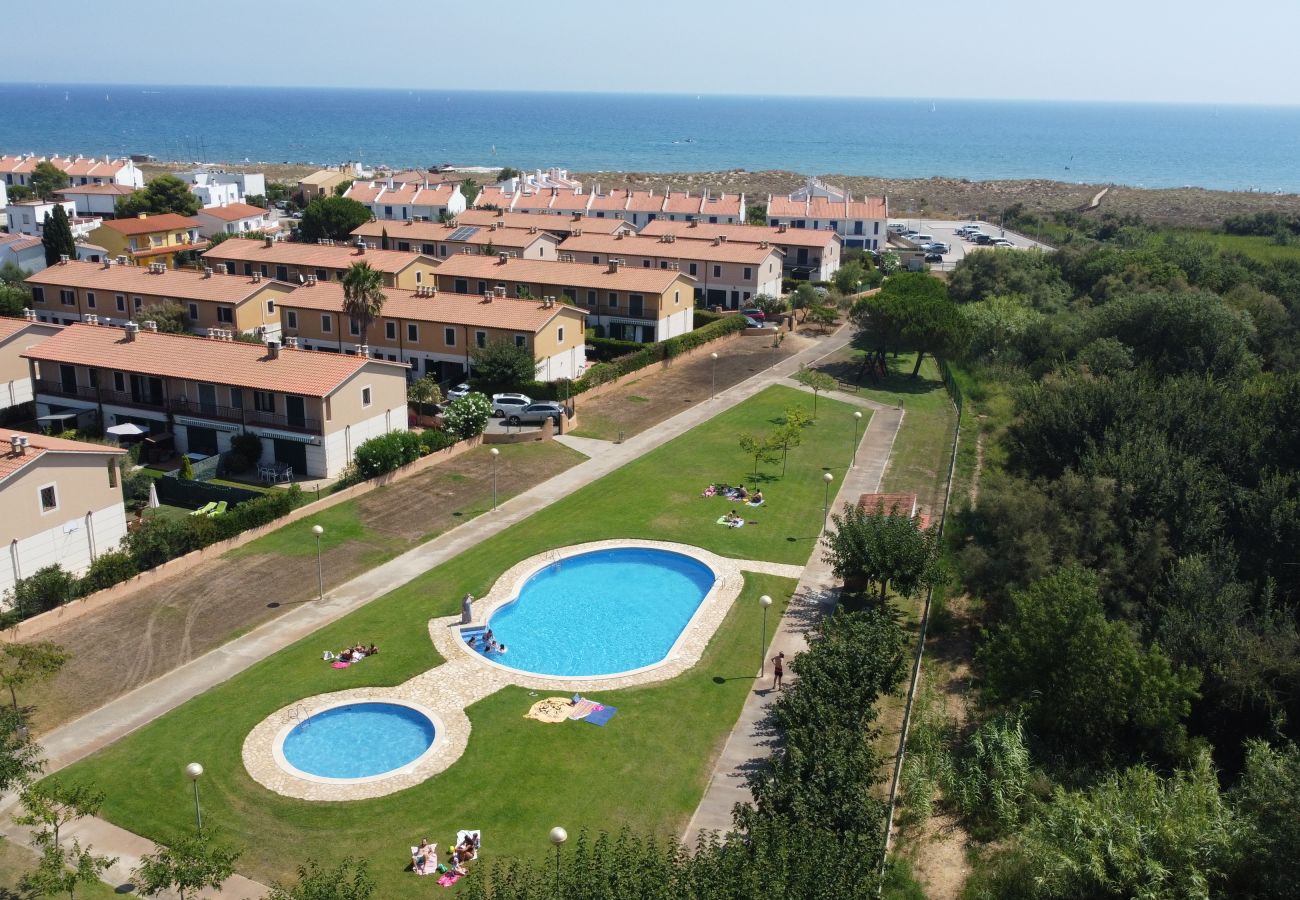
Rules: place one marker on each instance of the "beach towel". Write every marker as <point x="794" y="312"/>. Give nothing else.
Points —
<point x="583" y="708"/>
<point x="475" y="834"/>
<point x="722" y="520"/>
<point x="552" y="710"/>
<point x="448" y="880"/>
<point x="340" y="664"/>
<point x="601" y="716"/>
<point x="755" y="505"/>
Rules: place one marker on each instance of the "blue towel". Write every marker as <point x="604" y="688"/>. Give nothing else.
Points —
<point x="601" y="716"/>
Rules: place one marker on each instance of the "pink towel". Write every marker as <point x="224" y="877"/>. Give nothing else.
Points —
<point x="341" y="665"/>
<point x="448" y="880"/>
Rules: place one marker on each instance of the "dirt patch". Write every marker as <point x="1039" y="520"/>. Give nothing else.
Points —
<point x="168" y="624"/>
<point x="636" y="405"/>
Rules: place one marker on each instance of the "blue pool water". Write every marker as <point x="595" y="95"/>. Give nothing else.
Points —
<point x="358" y="740"/>
<point x="600" y="613"/>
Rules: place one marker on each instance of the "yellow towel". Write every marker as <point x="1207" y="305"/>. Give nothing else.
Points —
<point x="552" y="710"/>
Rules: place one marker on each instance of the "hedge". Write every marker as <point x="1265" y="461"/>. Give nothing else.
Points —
<point x="649" y="354"/>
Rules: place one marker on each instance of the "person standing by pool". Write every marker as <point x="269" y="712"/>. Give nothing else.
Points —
<point x="467" y="609"/>
<point x="778" y="671"/>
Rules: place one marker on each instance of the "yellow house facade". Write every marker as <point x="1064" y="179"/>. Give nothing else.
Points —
<point x="299" y="263"/>
<point x="149" y="238"/>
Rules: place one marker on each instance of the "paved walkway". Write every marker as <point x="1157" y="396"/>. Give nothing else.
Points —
<point x="80" y="738"/>
<point x="752" y="739"/>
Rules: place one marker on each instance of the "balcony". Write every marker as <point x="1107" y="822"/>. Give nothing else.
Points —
<point x="197" y="409"/>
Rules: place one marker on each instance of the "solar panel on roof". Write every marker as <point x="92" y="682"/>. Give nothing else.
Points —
<point x="464" y="233"/>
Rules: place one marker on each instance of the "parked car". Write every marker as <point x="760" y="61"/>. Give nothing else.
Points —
<point x="1002" y="242"/>
<point x="934" y="257"/>
<point x="983" y="239"/>
<point x="755" y="313"/>
<point x="938" y="247"/>
<point x="752" y="323"/>
<point x="460" y="390"/>
<point x="504" y="404"/>
<point x="897" y="227"/>
<point x="537" y="412"/>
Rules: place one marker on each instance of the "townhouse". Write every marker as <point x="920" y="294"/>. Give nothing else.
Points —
<point x="310" y="410"/>
<point x="236" y="218"/>
<point x="61" y="502"/>
<point x="214" y="187"/>
<point x="28" y="217"/>
<point x="298" y="263"/>
<point x="96" y="199"/>
<point x="16" y="335"/>
<point x="436" y="332"/>
<point x="74" y="291"/>
<point x="632" y="304"/>
<point x="640" y="207"/>
<point x="321" y="183"/>
<point x="440" y="240"/>
<point x="809" y="254"/>
<point x="725" y="273"/>
<point x="418" y="200"/>
<point x="150" y="238"/>
<point x="555" y="201"/>
<point x="860" y="223"/>
<point x="80" y="170"/>
<point x="23" y="251"/>
<point x="559" y="226"/>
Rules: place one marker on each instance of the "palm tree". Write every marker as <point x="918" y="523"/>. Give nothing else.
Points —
<point x="363" y="296"/>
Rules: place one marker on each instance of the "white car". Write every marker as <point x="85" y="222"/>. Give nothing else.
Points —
<point x="460" y="390"/>
<point x="505" y="404"/>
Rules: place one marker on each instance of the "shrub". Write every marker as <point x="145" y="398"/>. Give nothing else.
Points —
<point x="249" y="446"/>
<point x="235" y="461"/>
<point x="109" y="569"/>
<point x="187" y="469"/>
<point x="45" y="589"/>
<point x="467" y="416"/>
<point x="135" y="488"/>
<point x="705" y="317"/>
<point x="158" y="540"/>
<point x="386" y="452"/>
<point x="255" y="513"/>
<point x="433" y="439"/>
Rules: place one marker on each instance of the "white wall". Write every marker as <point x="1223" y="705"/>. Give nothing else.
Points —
<point x="340" y="445"/>
<point x="69" y="543"/>
<point x="569" y="363"/>
<point x="13" y="393"/>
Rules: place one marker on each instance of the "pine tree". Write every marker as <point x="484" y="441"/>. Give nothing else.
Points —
<point x="57" y="237"/>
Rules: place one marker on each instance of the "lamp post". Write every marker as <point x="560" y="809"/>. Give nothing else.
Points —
<point x="495" y="453"/>
<point x="194" y="771"/>
<point x="714" y="392"/>
<point x="853" y="451"/>
<point x="558" y="837"/>
<point x="826" y="499"/>
<point x="765" y="601"/>
<point x="320" y="572"/>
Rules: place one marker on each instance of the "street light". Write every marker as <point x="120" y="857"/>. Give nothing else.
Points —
<point x="853" y="452"/>
<point x="714" y="393"/>
<point x="558" y="837"/>
<point x="194" y="771"/>
<point x="765" y="601"/>
<point x="320" y="572"/>
<point x="826" y="499"/>
<point x="495" y="453"/>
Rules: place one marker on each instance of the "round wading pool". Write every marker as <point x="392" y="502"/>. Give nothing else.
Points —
<point x="358" y="741"/>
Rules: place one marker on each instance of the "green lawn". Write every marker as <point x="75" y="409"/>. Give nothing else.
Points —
<point x="16" y="861"/>
<point x="518" y="777"/>
<point x="1264" y="249"/>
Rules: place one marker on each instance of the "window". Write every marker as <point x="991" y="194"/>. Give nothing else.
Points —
<point x="449" y="337"/>
<point x="194" y="312"/>
<point x="67" y="298"/>
<point x="137" y="303"/>
<point x="591" y="298"/>
<point x="90" y="299"/>
<point x="461" y="286"/>
<point x="521" y="341"/>
<point x="677" y="297"/>
<point x="595" y="259"/>
<point x="291" y="318"/>
<point x="404" y="246"/>
<point x="354" y="328"/>
<point x="264" y="401"/>
<point x="559" y="335"/>
<point x="413" y="332"/>
<point x="390" y="331"/>
<point x="270" y="307"/>
<point x="38" y="295"/>
<point x="326" y="323"/>
<point x="225" y="314"/>
<point x="248" y="268"/>
<point x="717" y="271"/>
<point x="121" y="303"/>
<point x="112" y="473"/>
<point x="645" y="263"/>
<point x="480" y="339"/>
<point x="613" y="300"/>
<point x="663" y="263"/>
<point x="635" y="305"/>
<point x="692" y="269"/>
<point x="119" y="382"/>
<point x="49" y="499"/>
<point x="482" y="287"/>
<point x="749" y="273"/>
<point x="418" y="276"/>
<point x="365" y="396"/>
<point x="236" y="398"/>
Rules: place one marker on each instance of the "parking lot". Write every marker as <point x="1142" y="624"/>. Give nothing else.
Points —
<point x="946" y="232"/>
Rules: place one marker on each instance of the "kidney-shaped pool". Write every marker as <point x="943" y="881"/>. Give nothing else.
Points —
<point x="598" y="613"/>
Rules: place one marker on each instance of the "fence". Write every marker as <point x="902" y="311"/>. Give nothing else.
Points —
<point x="954" y="392"/>
<point x="194" y="494"/>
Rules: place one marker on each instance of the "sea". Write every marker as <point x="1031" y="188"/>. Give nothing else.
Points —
<point x="1137" y="144"/>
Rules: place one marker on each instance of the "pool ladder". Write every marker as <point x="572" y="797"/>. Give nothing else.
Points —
<point x="297" y="713"/>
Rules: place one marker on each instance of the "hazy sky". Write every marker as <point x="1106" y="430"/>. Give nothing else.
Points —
<point x="1165" y="50"/>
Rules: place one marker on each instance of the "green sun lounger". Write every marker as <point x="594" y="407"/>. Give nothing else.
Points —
<point x="220" y="508"/>
<point x="205" y="510"/>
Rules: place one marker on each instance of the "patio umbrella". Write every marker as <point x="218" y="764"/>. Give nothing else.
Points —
<point x="127" y="429"/>
<point x="153" y="496"/>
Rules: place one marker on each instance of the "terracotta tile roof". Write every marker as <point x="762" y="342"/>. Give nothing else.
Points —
<point x="182" y="284"/>
<point x="634" y="245"/>
<point x="555" y="224"/>
<point x="233" y="211"/>
<point x="339" y="256"/>
<point x="150" y="224"/>
<point x="682" y="203"/>
<point x="577" y="275"/>
<point x="613" y="201"/>
<point x="824" y="208"/>
<point x="116" y="190"/>
<point x="12" y="325"/>
<point x="506" y="313"/>
<point x="18" y="164"/>
<point x="87" y="167"/>
<point x="322" y="176"/>
<point x="18" y="242"/>
<point x="408" y="230"/>
<point x="400" y="194"/>
<point x="724" y="205"/>
<point x="750" y="234"/>
<point x="192" y="358"/>
<point x="39" y="445"/>
<point x="645" y="201"/>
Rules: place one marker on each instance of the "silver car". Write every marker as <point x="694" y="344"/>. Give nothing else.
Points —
<point x="505" y="404"/>
<point x="536" y="413"/>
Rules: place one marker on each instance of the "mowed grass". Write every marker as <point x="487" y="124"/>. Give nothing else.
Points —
<point x="518" y="778"/>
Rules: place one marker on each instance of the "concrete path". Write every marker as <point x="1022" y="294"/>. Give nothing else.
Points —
<point x="75" y="740"/>
<point x="753" y="738"/>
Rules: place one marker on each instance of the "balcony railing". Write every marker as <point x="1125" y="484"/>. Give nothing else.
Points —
<point x="197" y="409"/>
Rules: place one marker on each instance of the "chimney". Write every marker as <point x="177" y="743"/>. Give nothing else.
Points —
<point x="762" y="245"/>
<point x="500" y="290"/>
<point x="132" y="329"/>
<point x="207" y="271"/>
<point x="151" y="325"/>
<point x="780" y="229"/>
<point x="221" y="268"/>
<point x="310" y="280"/>
<point x="266" y="242"/>
<point x="90" y="319"/>
<point x="487" y="296"/>
<point x="613" y="266"/>
<point x="363" y="350"/>
<point x="142" y="215"/>
<point x="273" y="349"/>
<point x="619" y="236"/>
<point x="108" y="262"/>
<point x="63" y="259"/>
<point x="361" y="247"/>
<point x="502" y="257"/>
<point x="257" y="276"/>
<point x="722" y="239"/>
<point x="29" y="315"/>
<point x="16" y="445"/>
<point x="291" y="343"/>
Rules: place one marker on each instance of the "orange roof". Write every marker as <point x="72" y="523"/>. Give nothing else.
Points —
<point x="644" y="201"/>
<point x="232" y="211"/>
<point x="612" y="201"/>
<point x="182" y="284"/>
<point x="11" y="325"/>
<point x="825" y="208"/>
<point x="18" y="242"/>
<point x="338" y="256"/>
<point x="113" y="189"/>
<point x="411" y="194"/>
<point x="556" y="224"/>
<point x="682" y="203"/>
<point x="634" y="245"/>
<point x="506" y="313"/>
<point x="192" y="358"/>
<point x="540" y="271"/>
<point x="409" y="230"/>
<point x="149" y="224"/>
<point x="39" y="445"/>
<point x="749" y="234"/>
<point x="17" y="164"/>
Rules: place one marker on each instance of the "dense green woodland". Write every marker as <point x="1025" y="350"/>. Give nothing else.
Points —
<point x="1133" y="564"/>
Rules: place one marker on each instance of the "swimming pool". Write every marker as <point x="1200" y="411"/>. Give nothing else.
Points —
<point x="599" y="613"/>
<point x="358" y="740"/>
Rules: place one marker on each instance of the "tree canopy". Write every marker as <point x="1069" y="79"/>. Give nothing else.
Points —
<point x="911" y="312"/>
<point x="363" y="296"/>
<point x="333" y="218"/>
<point x="57" y="237"/>
<point x="883" y="549"/>
<point x="47" y="178"/>
<point x="164" y="194"/>
<point x="500" y="365"/>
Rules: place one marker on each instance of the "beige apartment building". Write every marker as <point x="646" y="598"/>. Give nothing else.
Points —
<point x="436" y="332"/>
<point x="439" y="240"/>
<point x="74" y="291"/>
<point x="16" y="336"/>
<point x="295" y="263"/>
<point x="559" y="226"/>
<point x="812" y="254"/>
<point x="310" y="410"/>
<point x="632" y="304"/>
<point x="61" y="502"/>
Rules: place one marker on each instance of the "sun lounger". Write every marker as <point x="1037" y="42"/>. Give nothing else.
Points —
<point x="204" y="510"/>
<point x="220" y="508"/>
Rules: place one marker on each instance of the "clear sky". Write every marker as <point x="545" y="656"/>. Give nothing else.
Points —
<point x="1158" y="50"/>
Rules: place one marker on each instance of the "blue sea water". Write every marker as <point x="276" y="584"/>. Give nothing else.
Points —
<point x="1150" y="145"/>
<point x="358" y="740"/>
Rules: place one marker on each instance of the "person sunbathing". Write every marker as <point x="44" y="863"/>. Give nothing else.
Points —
<point x="424" y="859"/>
<point x="756" y="499"/>
<point x="741" y="493"/>
<point x="345" y="656"/>
<point x="372" y="650"/>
